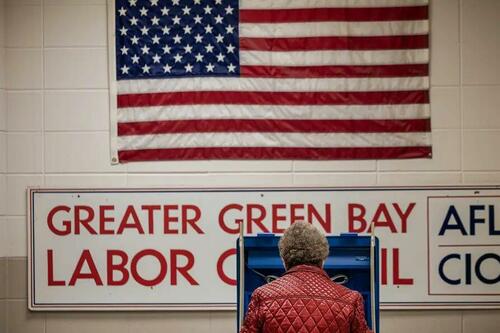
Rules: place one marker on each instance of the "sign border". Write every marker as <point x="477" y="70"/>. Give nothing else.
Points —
<point x="33" y="306"/>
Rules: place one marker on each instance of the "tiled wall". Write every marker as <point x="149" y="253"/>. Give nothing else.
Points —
<point x="54" y="132"/>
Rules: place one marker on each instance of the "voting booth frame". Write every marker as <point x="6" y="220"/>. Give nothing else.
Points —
<point x="353" y="262"/>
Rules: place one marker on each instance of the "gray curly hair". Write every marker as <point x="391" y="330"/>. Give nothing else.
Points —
<point x="303" y="244"/>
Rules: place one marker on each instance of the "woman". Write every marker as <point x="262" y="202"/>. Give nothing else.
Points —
<point x="304" y="299"/>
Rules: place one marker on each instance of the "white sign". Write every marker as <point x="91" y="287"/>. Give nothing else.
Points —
<point x="128" y="249"/>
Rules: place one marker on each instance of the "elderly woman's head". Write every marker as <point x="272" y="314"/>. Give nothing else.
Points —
<point x="303" y="244"/>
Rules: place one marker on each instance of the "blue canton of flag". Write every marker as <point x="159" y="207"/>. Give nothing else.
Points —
<point x="176" y="38"/>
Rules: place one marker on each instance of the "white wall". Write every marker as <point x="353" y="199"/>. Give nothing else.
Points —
<point x="3" y="133"/>
<point x="55" y="134"/>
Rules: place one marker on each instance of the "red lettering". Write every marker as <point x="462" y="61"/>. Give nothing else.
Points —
<point x="120" y="267"/>
<point x="103" y="219"/>
<point x="85" y="257"/>
<point x="404" y="215"/>
<point x="356" y="213"/>
<point x="65" y="223"/>
<point x="220" y="267"/>
<point x="395" y="270"/>
<point x="191" y="221"/>
<point x="50" y="271"/>
<point x="135" y="222"/>
<point x="382" y="218"/>
<point x="183" y="270"/>
<point x="383" y="268"/>
<point x="163" y="267"/>
<point x="276" y="218"/>
<point x="167" y="219"/>
<point x="151" y="209"/>
<point x="222" y="221"/>
<point x="294" y="217"/>
<point x="84" y="221"/>
<point x="326" y="222"/>
<point x="256" y="219"/>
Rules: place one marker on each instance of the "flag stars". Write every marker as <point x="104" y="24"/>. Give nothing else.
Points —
<point x="165" y="30"/>
<point x="218" y="19"/>
<point x="220" y="57"/>
<point x="156" y="39"/>
<point x="124" y="69"/>
<point x="197" y="19"/>
<point x="198" y="38"/>
<point x="208" y="10"/>
<point x="167" y="68"/>
<point x="210" y="68"/>
<point x="166" y="49"/>
<point x="134" y="40"/>
<point x="230" y="48"/>
<point x="229" y="29"/>
<point x="177" y="39"/>
<point x="186" y="10"/>
<point x="156" y="59"/>
<point x="177" y="58"/>
<point x="209" y="48"/>
<point x="188" y="68"/>
<point x="155" y="20"/>
<point x="145" y="49"/>
<point x="208" y="29"/>
<point x="231" y="68"/>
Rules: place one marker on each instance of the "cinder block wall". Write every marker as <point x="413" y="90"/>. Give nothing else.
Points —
<point x="3" y="170"/>
<point x="54" y="132"/>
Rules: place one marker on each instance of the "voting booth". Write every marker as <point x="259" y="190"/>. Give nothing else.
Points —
<point x="352" y="262"/>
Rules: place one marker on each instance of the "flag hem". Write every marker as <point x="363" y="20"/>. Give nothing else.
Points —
<point x="113" y="108"/>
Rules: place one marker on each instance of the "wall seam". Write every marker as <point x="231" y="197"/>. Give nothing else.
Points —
<point x="42" y="20"/>
<point x="460" y="89"/>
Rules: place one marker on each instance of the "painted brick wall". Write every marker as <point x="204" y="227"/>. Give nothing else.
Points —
<point x="54" y="132"/>
<point x="3" y="169"/>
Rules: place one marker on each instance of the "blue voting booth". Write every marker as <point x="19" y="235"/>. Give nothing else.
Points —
<point x="349" y="263"/>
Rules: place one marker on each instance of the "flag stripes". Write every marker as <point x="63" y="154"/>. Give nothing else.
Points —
<point x="273" y="98"/>
<point x="333" y="14"/>
<point x="317" y="79"/>
<point x="274" y="153"/>
<point x="215" y="111"/>
<point x="273" y="125"/>
<point x="335" y="43"/>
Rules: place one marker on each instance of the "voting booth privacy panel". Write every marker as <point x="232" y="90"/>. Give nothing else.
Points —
<point x="174" y="249"/>
<point x="349" y="263"/>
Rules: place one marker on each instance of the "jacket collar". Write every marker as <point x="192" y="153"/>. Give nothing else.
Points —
<point x="307" y="268"/>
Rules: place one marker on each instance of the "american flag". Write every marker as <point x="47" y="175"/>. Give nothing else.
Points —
<point x="271" y="79"/>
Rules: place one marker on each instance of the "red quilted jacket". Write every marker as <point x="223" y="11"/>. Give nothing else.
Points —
<point x="305" y="300"/>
